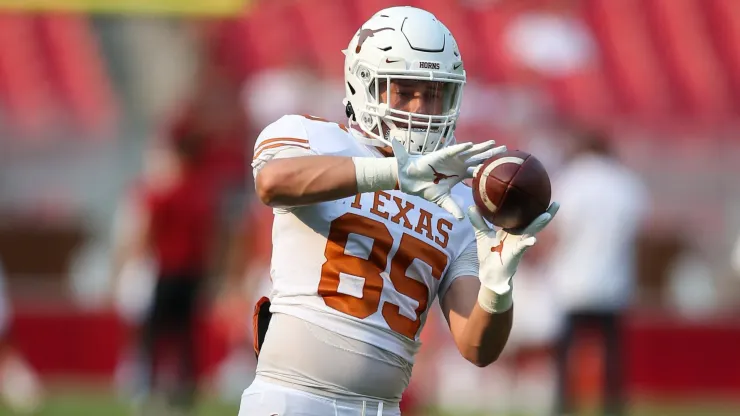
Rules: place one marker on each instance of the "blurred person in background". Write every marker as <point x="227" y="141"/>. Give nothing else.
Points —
<point x="177" y="229"/>
<point x="20" y="387"/>
<point x="592" y="263"/>
<point x="134" y="268"/>
<point x="735" y="257"/>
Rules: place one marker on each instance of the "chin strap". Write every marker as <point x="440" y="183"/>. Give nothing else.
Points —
<point x="362" y="137"/>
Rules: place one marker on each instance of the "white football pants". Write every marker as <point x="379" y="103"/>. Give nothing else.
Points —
<point x="263" y="398"/>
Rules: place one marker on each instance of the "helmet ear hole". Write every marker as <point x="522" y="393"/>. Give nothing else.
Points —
<point x="351" y="88"/>
<point x="349" y="111"/>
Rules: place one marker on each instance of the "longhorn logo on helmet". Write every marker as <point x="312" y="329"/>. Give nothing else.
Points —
<point x="368" y="33"/>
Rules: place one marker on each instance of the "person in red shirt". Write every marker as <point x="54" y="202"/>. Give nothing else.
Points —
<point x="178" y="232"/>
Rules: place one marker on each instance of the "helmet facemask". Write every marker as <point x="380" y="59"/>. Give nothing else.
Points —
<point x="418" y="111"/>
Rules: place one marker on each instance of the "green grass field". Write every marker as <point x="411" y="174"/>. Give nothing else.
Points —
<point x="89" y="402"/>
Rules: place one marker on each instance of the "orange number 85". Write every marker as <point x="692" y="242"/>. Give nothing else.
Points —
<point x="409" y="249"/>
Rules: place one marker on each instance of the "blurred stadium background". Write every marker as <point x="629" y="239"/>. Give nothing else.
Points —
<point x="92" y="93"/>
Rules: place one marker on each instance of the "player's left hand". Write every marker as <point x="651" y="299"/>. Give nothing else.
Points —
<point x="499" y="252"/>
<point x="433" y="175"/>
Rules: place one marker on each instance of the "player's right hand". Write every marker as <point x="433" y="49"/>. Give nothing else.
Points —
<point x="432" y="175"/>
<point x="500" y="251"/>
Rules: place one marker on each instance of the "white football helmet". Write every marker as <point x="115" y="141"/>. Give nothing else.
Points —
<point x="403" y="43"/>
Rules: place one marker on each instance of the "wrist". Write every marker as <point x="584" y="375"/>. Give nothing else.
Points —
<point x="495" y="302"/>
<point x="375" y="174"/>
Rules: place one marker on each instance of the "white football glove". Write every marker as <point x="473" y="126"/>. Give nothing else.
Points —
<point x="499" y="253"/>
<point x="432" y="175"/>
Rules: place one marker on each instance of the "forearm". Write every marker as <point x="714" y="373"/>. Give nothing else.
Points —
<point x="306" y="180"/>
<point x="480" y="321"/>
<point x="485" y="335"/>
<point x="312" y="179"/>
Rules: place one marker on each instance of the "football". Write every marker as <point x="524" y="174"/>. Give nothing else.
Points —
<point x="511" y="189"/>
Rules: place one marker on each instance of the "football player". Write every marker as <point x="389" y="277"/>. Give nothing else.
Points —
<point x="369" y="229"/>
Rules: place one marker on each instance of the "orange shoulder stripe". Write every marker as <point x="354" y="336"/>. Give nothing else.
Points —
<point x="272" y="146"/>
<point x="280" y="139"/>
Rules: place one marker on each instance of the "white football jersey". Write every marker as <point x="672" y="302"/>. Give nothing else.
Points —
<point x="367" y="267"/>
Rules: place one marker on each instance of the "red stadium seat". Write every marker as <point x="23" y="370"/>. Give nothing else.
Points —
<point x="328" y="31"/>
<point x="691" y="64"/>
<point x="634" y="74"/>
<point x="489" y="27"/>
<point x="364" y="9"/>
<point x="271" y="36"/>
<point x="25" y="92"/>
<point x="79" y="71"/>
<point x="584" y="94"/>
<point x="724" y="27"/>
<point x="226" y="44"/>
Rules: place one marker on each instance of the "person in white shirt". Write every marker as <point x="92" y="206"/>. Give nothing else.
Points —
<point x="735" y="259"/>
<point x="592" y="264"/>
